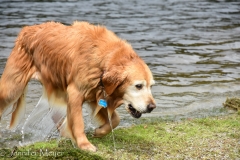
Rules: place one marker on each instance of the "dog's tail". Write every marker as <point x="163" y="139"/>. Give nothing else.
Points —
<point x="18" y="71"/>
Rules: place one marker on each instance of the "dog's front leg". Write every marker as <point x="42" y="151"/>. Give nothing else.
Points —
<point x="75" y="118"/>
<point x="106" y="127"/>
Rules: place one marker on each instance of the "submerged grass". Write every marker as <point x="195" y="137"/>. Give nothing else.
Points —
<point x="205" y="138"/>
<point x="233" y="103"/>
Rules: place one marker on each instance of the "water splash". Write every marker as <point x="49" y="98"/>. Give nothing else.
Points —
<point x="42" y="123"/>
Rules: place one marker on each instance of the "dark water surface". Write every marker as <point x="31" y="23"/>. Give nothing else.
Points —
<point x="192" y="47"/>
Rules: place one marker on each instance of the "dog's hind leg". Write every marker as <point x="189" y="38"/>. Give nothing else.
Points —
<point x="18" y="71"/>
<point x="19" y="110"/>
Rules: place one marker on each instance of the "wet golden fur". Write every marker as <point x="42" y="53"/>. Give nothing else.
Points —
<point x="70" y="62"/>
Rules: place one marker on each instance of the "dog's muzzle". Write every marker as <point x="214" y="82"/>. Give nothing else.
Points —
<point x="137" y="114"/>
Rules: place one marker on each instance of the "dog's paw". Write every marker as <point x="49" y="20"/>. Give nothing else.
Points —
<point x="88" y="147"/>
<point x="100" y="132"/>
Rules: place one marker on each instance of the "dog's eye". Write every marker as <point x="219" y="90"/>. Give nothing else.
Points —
<point x="139" y="86"/>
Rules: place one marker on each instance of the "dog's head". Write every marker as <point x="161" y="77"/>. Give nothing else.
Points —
<point x="137" y="97"/>
<point x="132" y="81"/>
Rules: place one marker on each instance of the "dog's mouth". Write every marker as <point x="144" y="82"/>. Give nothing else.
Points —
<point x="134" y="112"/>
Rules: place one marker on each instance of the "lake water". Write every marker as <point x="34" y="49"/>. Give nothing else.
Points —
<point x="192" y="47"/>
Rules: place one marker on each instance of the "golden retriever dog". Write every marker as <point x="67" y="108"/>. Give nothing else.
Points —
<point x="76" y="64"/>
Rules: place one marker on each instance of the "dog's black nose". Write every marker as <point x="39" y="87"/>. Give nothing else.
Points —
<point x="150" y="107"/>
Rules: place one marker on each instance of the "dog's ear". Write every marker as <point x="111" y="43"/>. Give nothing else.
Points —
<point x="112" y="79"/>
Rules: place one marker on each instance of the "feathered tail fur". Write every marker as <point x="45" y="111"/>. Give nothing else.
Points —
<point x="18" y="71"/>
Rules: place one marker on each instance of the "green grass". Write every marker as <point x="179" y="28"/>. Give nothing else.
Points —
<point x="205" y="138"/>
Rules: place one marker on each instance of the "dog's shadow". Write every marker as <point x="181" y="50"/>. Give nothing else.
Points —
<point x="126" y="140"/>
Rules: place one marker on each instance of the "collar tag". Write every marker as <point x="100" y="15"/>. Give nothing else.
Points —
<point x="102" y="103"/>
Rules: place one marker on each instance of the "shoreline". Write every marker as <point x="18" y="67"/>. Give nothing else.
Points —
<point x="200" y="138"/>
